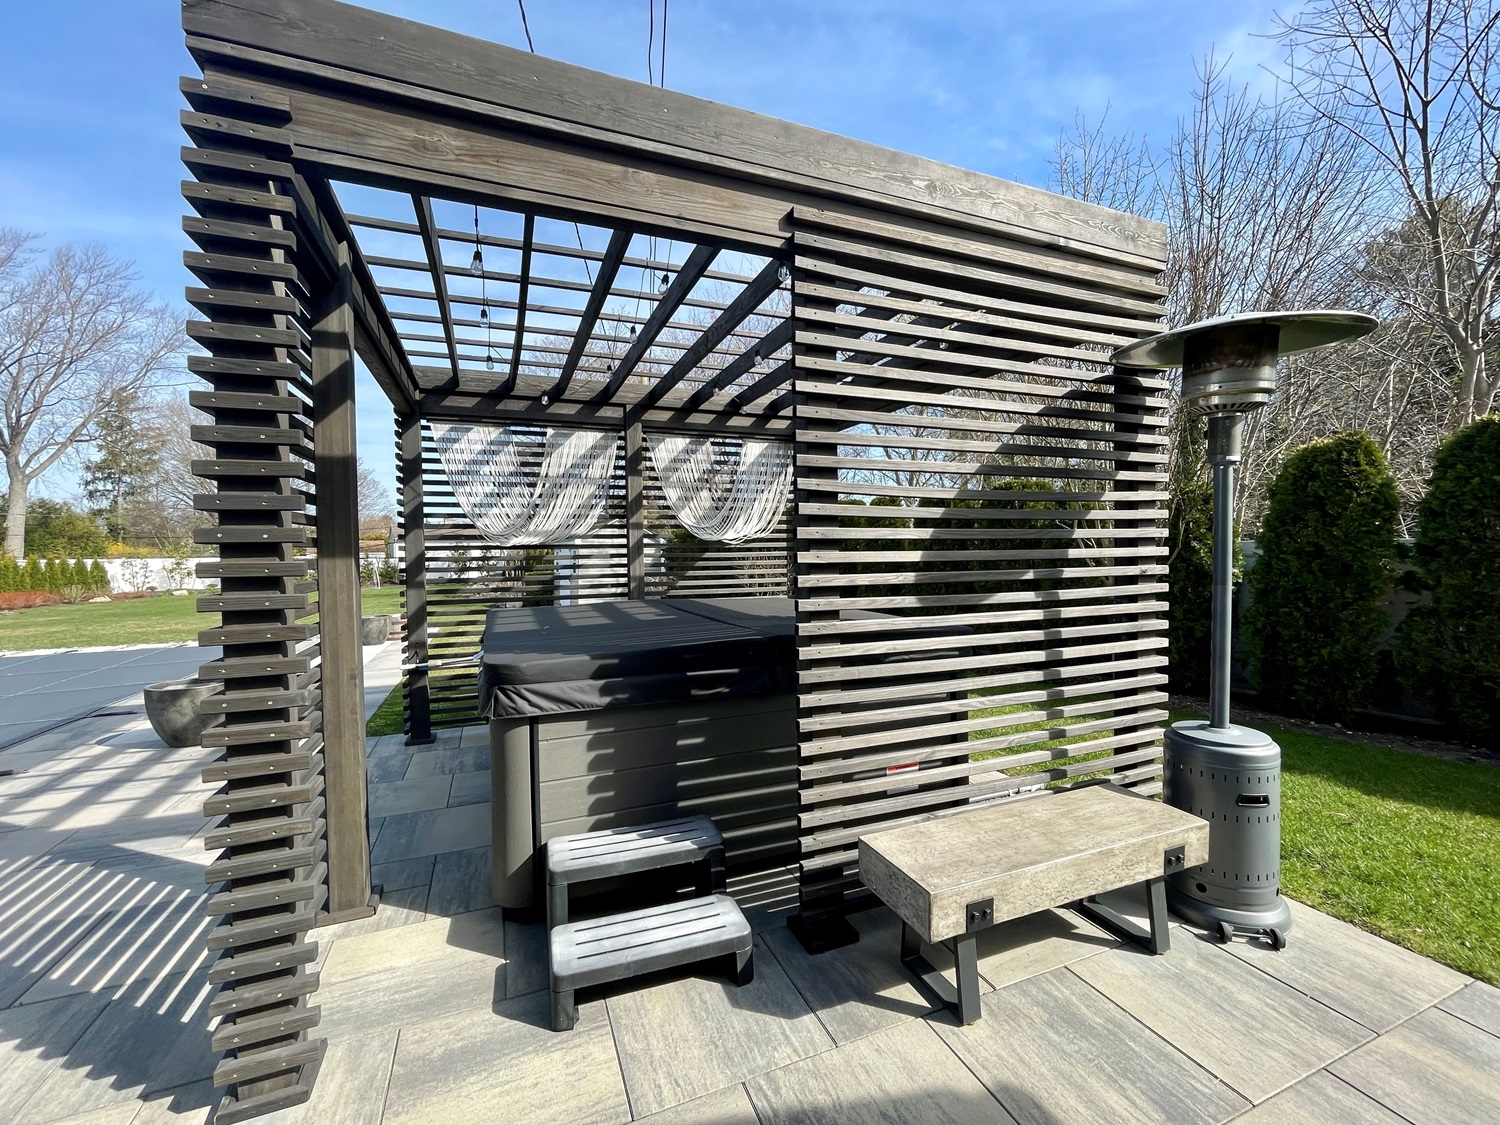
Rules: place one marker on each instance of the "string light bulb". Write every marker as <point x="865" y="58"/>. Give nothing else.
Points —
<point x="476" y="263"/>
<point x="662" y="282"/>
<point x="484" y="313"/>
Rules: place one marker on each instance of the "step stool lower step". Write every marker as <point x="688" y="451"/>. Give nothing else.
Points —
<point x="617" y="946"/>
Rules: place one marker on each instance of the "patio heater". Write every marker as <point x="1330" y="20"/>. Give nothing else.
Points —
<point x="1230" y="775"/>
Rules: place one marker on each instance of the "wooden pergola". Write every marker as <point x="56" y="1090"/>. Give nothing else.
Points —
<point x="506" y="239"/>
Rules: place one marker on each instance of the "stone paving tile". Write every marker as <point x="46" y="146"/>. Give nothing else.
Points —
<point x="403" y="873"/>
<point x="461" y="882"/>
<point x="683" y="1038"/>
<point x="34" y="1041"/>
<point x="1253" y="1032"/>
<point x="451" y="759"/>
<point x="149" y="1037"/>
<point x="351" y="1086"/>
<point x="1435" y="1069"/>
<point x="729" y="1106"/>
<point x="1358" y="974"/>
<point x="859" y="989"/>
<point x="903" y="1075"/>
<point x="1479" y="1004"/>
<point x="470" y="788"/>
<point x="480" y="935"/>
<point x="1318" y="1098"/>
<point x="507" y="1065"/>
<point x="1038" y="943"/>
<point x="410" y="795"/>
<point x="1052" y="1054"/>
<point x="409" y="835"/>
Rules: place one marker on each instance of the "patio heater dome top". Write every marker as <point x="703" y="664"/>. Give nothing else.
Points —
<point x="1229" y="363"/>
<point x="1297" y="332"/>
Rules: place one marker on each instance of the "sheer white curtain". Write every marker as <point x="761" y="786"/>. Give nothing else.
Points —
<point x="728" y="494"/>
<point x="524" y="488"/>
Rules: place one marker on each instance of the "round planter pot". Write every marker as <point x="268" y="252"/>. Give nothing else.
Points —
<point x="172" y="708"/>
<point x="376" y="629"/>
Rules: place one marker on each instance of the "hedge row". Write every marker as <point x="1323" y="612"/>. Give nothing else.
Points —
<point x="1329" y="561"/>
<point x="56" y="576"/>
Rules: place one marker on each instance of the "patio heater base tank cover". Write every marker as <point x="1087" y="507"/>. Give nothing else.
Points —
<point x="1231" y="777"/>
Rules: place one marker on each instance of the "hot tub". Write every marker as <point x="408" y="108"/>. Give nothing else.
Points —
<point x="621" y="713"/>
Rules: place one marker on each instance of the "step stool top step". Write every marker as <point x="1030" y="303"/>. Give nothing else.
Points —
<point x="642" y="941"/>
<point x="624" y="851"/>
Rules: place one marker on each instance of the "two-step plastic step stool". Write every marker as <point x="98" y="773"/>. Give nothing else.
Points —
<point x="616" y="946"/>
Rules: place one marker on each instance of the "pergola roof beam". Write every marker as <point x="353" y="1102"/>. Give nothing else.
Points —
<point x="751" y="297"/>
<point x="777" y="376"/>
<point x="397" y="226"/>
<point x="522" y="294"/>
<point x="746" y="362"/>
<point x="423" y="206"/>
<point x="677" y="292"/>
<point x="619" y="242"/>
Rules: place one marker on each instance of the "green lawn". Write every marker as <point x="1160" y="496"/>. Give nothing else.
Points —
<point x="154" y="620"/>
<point x="1402" y="845"/>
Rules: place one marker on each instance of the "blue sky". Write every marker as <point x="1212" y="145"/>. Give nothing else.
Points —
<point x="89" y="102"/>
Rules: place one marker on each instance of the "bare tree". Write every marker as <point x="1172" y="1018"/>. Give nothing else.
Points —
<point x="75" y="333"/>
<point x="1415" y="83"/>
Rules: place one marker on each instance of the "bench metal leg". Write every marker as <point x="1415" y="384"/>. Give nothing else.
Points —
<point x="1158" y="939"/>
<point x="966" y="969"/>
<point x="557" y="904"/>
<point x="962" y="997"/>
<point x="744" y="967"/>
<point x="564" y="1010"/>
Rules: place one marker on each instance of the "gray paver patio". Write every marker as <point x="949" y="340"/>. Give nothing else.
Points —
<point x="435" y="1009"/>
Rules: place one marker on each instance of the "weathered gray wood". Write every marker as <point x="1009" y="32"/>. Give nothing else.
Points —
<point x="526" y="89"/>
<point x="688" y="275"/>
<point x="1027" y="856"/>
<point x="339" y="599"/>
<point x="619" y="242"/>
<point x="427" y="228"/>
<point x="635" y="508"/>
<point x="1435" y="1069"/>
<point x="413" y="533"/>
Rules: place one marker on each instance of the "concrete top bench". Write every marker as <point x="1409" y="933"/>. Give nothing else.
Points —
<point x="950" y="877"/>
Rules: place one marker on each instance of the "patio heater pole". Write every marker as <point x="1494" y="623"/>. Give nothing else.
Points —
<point x="1225" y="439"/>
<point x="1231" y="775"/>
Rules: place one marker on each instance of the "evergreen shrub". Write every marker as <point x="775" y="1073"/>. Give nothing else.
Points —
<point x="1449" y="649"/>
<point x="1327" y="560"/>
<point x="33" y="577"/>
<point x="98" y="578"/>
<point x="1190" y="577"/>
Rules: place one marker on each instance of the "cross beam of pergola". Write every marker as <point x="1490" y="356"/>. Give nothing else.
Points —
<point x="507" y="240"/>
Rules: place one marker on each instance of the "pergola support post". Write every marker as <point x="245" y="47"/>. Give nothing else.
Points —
<point x="635" y="508"/>
<point x="418" y="697"/>
<point x="335" y="465"/>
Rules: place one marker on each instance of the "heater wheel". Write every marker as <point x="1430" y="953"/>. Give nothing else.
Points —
<point x="1226" y="932"/>
<point x="1278" y="938"/>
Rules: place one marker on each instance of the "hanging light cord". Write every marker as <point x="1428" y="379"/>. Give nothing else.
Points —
<point x="530" y="46"/>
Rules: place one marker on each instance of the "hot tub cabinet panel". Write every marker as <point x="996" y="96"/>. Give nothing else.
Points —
<point x="734" y="760"/>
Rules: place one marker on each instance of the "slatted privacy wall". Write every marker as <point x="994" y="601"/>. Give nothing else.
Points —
<point x="970" y="470"/>
<point x="257" y="296"/>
